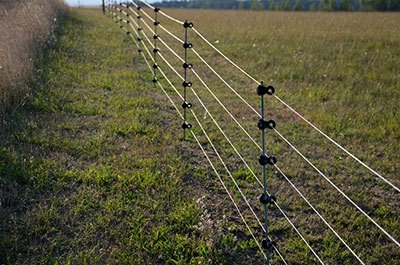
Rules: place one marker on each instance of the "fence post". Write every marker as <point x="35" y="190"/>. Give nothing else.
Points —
<point x="139" y="21"/>
<point x="155" y="50"/>
<point x="264" y="160"/>
<point x="186" y="83"/>
<point x="104" y="7"/>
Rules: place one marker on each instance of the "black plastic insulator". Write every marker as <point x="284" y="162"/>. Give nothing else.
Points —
<point x="268" y="244"/>
<point x="267" y="160"/>
<point x="139" y="50"/>
<point x="263" y="160"/>
<point x="121" y="26"/>
<point x="128" y="32"/>
<point x="156" y="23"/>
<point x="265" y="199"/>
<point x="187" y="45"/>
<point x="263" y="124"/>
<point x="157" y="9"/>
<point x="139" y="17"/>
<point x="138" y="8"/>
<point x="187" y="84"/>
<point x="154" y="80"/>
<point x="155" y="50"/>
<point x="187" y="24"/>
<point x="155" y="36"/>
<point x="155" y="66"/>
<point x="272" y="160"/>
<point x="186" y="105"/>
<point x="139" y="38"/>
<point x="127" y="22"/>
<point x="186" y="125"/>
<point x="140" y="29"/>
<point x="262" y="90"/>
<point x="187" y="66"/>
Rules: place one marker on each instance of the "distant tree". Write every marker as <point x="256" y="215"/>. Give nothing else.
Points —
<point x="382" y="5"/>
<point x="241" y="5"/>
<point x="333" y="5"/>
<point x="346" y="5"/>
<point x="313" y="6"/>
<point x="393" y="5"/>
<point x="298" y="6"/>
<point x="273" y="5"/>
<point x="286" y="5"/>
<point x="322" y="6"/>
<point x="256" y="5"/>
<point x="327" y="5"/>
<point x="362" y="5"/>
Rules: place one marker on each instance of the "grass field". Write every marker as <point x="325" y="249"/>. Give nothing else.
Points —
<point x="93" y="171"/>
<point x="341" y="71"/>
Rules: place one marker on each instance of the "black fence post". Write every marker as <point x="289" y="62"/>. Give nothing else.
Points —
<point x="155" y="37"/>
<point x="186" y="83"/>
<point x="139" y="29"/>
<point x="264" y="160"/>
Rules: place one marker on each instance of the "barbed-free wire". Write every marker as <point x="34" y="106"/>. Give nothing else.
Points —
<point x="291" y="145"/>
<point x="219" y="177"/>
<point x="172" y="68"/>
<point x="294" y="148"/>
<point x="287" y="105"/>
<point x="230" y="142"/>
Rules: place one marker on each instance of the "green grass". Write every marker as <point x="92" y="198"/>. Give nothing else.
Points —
<point x="90" y="171"/>
<point x="93" y="170"/>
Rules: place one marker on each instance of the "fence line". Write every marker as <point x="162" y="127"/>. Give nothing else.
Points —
<point x="212" y="166"/>
<point x="306" y="159"/>
<point x="210" y="91"/>
<point x="252" y="172"/>
<point x="221" y="78"/>
<point x="287" y="105"/>
<point x="243" y="160"/>
<point x="238" y="123"/>
<point x="240" y="156"/>
<point x="216" y="152"/>
<point x="295" y="149"/>
<point x="222" y="182"/>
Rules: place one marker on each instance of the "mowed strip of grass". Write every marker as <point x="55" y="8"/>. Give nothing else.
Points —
<point x="91" y="171"/>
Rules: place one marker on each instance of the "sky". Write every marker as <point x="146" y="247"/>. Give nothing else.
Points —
<point x="90" y="2"/>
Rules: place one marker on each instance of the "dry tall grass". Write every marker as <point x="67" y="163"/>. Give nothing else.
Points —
<point x="25" y="28"/>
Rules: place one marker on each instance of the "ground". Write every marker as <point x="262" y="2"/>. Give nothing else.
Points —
<point x="94" y="170"/>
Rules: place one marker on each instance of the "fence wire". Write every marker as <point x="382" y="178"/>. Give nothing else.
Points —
<point x="140" y="44"/>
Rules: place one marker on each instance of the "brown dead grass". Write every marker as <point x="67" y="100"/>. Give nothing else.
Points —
<point x="26" y="27"/>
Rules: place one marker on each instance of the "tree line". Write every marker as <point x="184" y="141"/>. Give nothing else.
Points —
<point x="288" y="5"/>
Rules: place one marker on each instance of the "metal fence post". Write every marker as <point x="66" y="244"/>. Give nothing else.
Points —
<point x="186" y="105"/>
<point x="264" y="160"/>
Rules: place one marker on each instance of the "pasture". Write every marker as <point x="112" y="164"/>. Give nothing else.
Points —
<point x="95" y="171"/>
<point x="339" y="70"/>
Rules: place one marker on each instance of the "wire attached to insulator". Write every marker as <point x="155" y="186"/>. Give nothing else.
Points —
<point x="186" y="84"/>
<point x="265" y="160"/>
